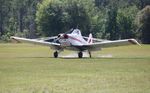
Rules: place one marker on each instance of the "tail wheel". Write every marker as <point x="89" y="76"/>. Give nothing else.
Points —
<point x="80" y="54"/>
<point x="55" y="54"/>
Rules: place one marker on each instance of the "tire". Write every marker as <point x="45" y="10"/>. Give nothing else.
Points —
<point x="55" y="54"/>
<point x="80" y="54"/>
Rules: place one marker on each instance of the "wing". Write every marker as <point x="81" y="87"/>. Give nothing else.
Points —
<point x="105" y="44"/>
<point x="37" y="41"/>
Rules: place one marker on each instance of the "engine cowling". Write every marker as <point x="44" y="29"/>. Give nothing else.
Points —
<point x="65" y="36"/>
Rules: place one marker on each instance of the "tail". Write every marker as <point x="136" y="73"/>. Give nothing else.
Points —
<point x="90" y="39"/>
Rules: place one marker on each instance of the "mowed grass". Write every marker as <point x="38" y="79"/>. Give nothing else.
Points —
<point x="26" y="68"/>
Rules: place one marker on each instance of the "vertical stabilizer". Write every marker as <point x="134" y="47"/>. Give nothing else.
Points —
<point x="90" y="39"/>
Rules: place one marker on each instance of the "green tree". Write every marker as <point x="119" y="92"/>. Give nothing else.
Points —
<point x="109" y="19"/>
<point x="143" y="19"/>
<point x="125" y="22"/>
<point x="4" y="15"/>
<point x="79" y="17"/>
<point x="51" y="17"/>
<point x="111" y="24"/>
<point x="54" y="16"/>
<point x="142" y="3"/>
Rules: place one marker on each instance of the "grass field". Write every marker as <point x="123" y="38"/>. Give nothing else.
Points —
<point x="28" y="68"/>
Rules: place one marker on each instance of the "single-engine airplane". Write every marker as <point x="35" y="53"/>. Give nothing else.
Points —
<point x="73" y="40"/>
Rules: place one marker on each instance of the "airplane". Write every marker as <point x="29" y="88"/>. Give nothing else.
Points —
<point x="73" y="40"/>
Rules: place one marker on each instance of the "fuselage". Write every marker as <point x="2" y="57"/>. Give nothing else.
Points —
<point x="72" y="41"/>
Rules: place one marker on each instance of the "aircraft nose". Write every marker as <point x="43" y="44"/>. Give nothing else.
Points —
<point x="65" y="36"/>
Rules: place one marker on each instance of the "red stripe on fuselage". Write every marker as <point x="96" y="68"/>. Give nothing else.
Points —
<point x="75" y="39"/>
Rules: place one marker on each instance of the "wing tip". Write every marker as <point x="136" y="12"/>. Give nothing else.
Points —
<point x="133" y="41"/>
<point x="13" y="38"/>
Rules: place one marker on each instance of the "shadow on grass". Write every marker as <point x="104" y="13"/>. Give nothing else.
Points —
<point x="80" y="58"/>
<point x="105" y="58"/>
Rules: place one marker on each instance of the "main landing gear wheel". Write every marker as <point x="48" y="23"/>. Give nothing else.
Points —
<point x="80" y="54"/>
<point x="55" y="54"/>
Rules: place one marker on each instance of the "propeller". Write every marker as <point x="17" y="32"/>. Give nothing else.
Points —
<point x="61" y="36"/>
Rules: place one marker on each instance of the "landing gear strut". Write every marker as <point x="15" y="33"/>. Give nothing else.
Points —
<point x="80" y="54"/>
<point x="90" y="54"/>
<point x="55" y="54"/>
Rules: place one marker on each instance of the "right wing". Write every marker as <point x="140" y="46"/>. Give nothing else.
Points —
<point x="105" y="44"/>
<point x="36" y="41"/>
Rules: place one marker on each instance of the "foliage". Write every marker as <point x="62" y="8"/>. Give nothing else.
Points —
<point x="17" y="16"/>
<point x="126" y="23"/>
<point x="144" y="24"/>
<point x="107" y="19"/>
<point x="54" y="16"/>
<point x="111" y="24"/>
<point x="49" y="17"/>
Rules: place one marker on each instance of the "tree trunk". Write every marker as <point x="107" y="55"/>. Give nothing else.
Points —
<point x="1" y="22"/>
<point x="141" y="4"/>
<point x="32" y="25"/>
<point x="1" y="27"/>
<point x="32" y="29"/>
<point x="20" y="17"/>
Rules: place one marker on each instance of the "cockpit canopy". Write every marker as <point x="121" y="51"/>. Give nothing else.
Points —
<point x="76" y="31"/>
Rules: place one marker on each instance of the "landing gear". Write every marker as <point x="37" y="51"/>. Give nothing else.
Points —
<point x="55" y="54"/>
<point x="90" y="54"/>
<point x="80" y="54"/>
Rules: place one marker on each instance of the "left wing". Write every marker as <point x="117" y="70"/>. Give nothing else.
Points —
<point x="37" y="41"/>
<point x="105" y="44"/>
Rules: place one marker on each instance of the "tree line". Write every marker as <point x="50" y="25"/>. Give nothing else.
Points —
<point x="107" y="19"/>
